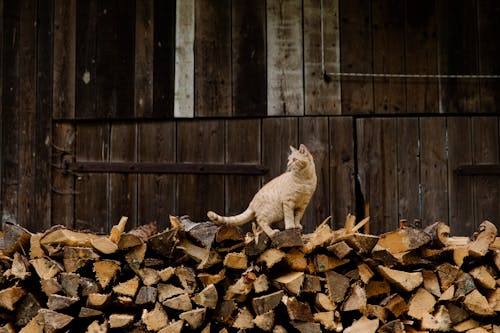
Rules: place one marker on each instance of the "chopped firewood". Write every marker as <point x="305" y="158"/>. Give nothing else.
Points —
<point x="395" y="304"/>
<point x="297" y="310"/>
<point x="288" y="238"/>
<point x="356" y="299"/>
<point x="464" y="284"/>
<point x="36" y="250"/>
<point x="361" y="243"/>
<point x="466" y="325"/>
<point x="447" y="274"/>
<point x="479" y="330"/>
<point x="125" y="301"/>
<point x="448" y="294"/>
<point x="486" y="236"/>
<point x="476" y="303"/>
<point x="97" y="300"/>
<point x="376" y="311"/>
<point x="279" y="329"/>
<point x="227" y="232"/>
<point x="439" y="233"/>
<point x="54" y="321"/>
<point x="271" y="257"/>
<point x="208" y="297"/>
<point x="117" y="230"/>
<point x="89" y="313"/>
<point x="312" y="284"/>
<point x="55" y="239"/>
<point x="149" y="276"/>
<point x="377" y="288"/>
<point x="137" y="236"/>
<point x="59" y="302"/>
<point x="194" y="318"/>
<point x="457" y="313"/>
<point x="88" y="286"/>
<point x="323" y="263"/>
<point x="70" y="282"/>
<point x="146" y="294"/>
<point x="236" y="260"/>
<point x="166" y="291"/>
<point x="440" y="321"/>
<point x="76" y="257"/>
<point x="324" y="302"/>
<point x="244" y="320"/>
<point x="483" y="277"/>
<point x="306" y="327"/>
<point x="459" y="254"/>
<point x="256" y="244"/>
<point x="205" y="257"/>
<point x="395" y="326"/>
<point x="166" y="273"/>
<point x="291" y="281"/>
<point x="175" y="327"/>
<point x="165" y="242"/>
<point x="340" y="249"/>
<point x="406" y="281"/>
<point x="135" y="256"/>
<point x="50" y="286"/>
<point x="105" y="271"/>
<point x="26" y="309"/>
<point x="155" y="319"/>
<point x="203" y="232"/>
<point x="10" y="296"/>
<point x="296" y="260"/>
<point x="364" y="325"/>
<point x="420" y="303"/>
<point x="267" y="302"/>
<point x="322" y="235"/>
<point x="224" y="311"/>
<point x="327" y="320"/>
<point x="104" y="245"/>
<point x="95" y="327"/>
<point x="239" y="290"/>
<point x="187" y="277"/>
<point x="265" y="321"/>
<point x="181" y="302"/>
<point x="7" y="328"/>
<point x="261" y="284"/>
<point x="46" y="268"/>
<point x="365" y="273"/>
<point x="19" y="268"/>
<point x="120" y="320"/>
<point x="402" y="240"/>
<point x="207" y="278"/>
<point x="337" y="286"/>
<point x="35" y="325"/>
<point x="431" y="282"/>
<point x="15" y="239"/>
<point x="494" y="299"/>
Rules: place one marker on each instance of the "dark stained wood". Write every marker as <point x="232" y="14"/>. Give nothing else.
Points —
<point x="85" y="90"/>
<point x="200" y="141"/>
<point x="123" y="187"/>
<point x="43" y="126"/>
<point x="461" y="213"/>
<point x="313" y="132"/>
<point x="278" y="134"/>
<point x="164" y="59"/>
<point x="342" y="173"/>
<point x="488" y="24"/>
<point x="356" y="56"/>
<point x="115" y="59"/>
<point x="485" y="149"/>
<point x="27" y="113"/>
<point x="458" y="55"/>
<point x="433" y="170"/>
<point x="249" y="83"/>
<point x="144" y="57"/>
<point x="408" y="168"/>
<point x="156" y="193"/>
<point x="92" y="195"/>
<point x="388" y="56"/>
<point x="322" y="96"/>
<point x="64" y="57"/>
<point x="421" y="56"/>
<point x="243" y="146"/>
<point x="63" y="185"/>
<point x="212" y="73"/>
<point x="377" y="169"/>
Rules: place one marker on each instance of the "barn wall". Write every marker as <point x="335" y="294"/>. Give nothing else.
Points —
<point x="239" y="82"/>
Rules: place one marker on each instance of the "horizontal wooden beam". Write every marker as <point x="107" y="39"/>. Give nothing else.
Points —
<point x="478" y="170"/>
<point x="165" y="168"/>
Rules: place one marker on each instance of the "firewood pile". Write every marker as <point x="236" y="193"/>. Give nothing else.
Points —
<point x="202" y="277"/>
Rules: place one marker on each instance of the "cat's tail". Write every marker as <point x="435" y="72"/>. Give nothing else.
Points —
<point x="239" y="219"/>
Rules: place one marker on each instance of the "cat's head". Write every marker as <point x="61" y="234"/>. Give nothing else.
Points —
<point x="299" y="158"/>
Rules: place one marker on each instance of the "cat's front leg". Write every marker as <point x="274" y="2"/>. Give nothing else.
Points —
<point x="299" y="212"/>
<point x="288" y="215"/>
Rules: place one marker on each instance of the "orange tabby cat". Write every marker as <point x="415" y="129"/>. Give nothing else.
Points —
<point x="283" y="198"/>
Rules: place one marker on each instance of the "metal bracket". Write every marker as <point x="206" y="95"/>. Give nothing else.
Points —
<point x="163" y="168"/>
<point x="478" y="170"/>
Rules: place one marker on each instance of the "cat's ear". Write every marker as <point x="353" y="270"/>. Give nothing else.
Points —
<point x="303" y="149"/>
<point x="293" y="149"/>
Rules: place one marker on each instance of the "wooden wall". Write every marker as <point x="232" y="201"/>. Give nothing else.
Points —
<point x="226" y="81"/>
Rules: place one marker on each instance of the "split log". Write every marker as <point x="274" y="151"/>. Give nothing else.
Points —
<point x="194" y="318"/>
<point x="59" y="302"/>
<point x="364" y="325"/>
<point x="271" y="257"/>
<point x="267" y="303"/>
<point x="10" y="296"/>
<point x="181" y="303"/>
<point x="77" y="257"/>
<point x="477" y="304"/>
<point x="440" y="321"/>
<point x="395" y="304"/>
<point x="288" y="238"/>
<point x="244" y="320"/>
<point x="421" y="303"/>
<point x="120" y="320"/>
<point x="265" y="321"/>
<point x="26" y="309"/>
<point x="486" y="236"/>
<point x="145" y="295"/>
<point x="105" y="271"/>
<point x="137" y="236"/>
<point x="356" y="299"/>
<point x="406" y="281"/>
<point x="208" y="297"/>
<point x="236" y="261"/>
<point x="337" y="286"/>
<point x="297" y="310"/>
<point x="156" y="319"/>
<point x="403" y="240"/>
<point x="483" y="277"/>
<point x="292" y="282"/>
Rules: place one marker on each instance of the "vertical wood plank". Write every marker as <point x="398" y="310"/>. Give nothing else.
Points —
<point x="458" y="55"/>
<point x="10" y="112"/>
<point x="243" y="146"/>
<point x="377" y="168"/>
<point x="1" y="98"/>
<point x="212" y="58"/>
<point x="342" y="173"/>
<point x="356" y="56"/>
<point x="86" y="93"/>
<point x="64" y="54"/>
<point x="489" y="52"/>
<point x="164" y="58"/>
<point x="144" y="54"/>
<point x="408" y="168"/>
<point x="200" y="141"/>
<point x="27" y="114"/>
<point x="486" y="150"/>
<point x="184" y="59"/>
<point x="460" y="191"/>
<point x="123" y="187"/>
<point x="115" y="59"/>
<point x="285" y="84"/>
<point x="43" y="127"/>
<point x="278" y="134"/>
<point x="322" y="96"/>
<point x="388" y="56"/>
<point x="63" y="197"/>
<point x="249" y="58"/>
<point x="92" y="195"/>
<point x="156" y="192"/>
<point x="433" y="170"/>
<point x="422" y="95"/>
<point x="313" y="132"/>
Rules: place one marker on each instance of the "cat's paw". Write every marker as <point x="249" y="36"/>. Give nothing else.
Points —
<point x="212" y="216"/>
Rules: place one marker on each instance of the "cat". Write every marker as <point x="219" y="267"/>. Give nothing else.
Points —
<point x="283" y="198"/>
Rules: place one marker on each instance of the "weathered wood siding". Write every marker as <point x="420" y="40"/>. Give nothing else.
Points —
<point x="239" y="82"/>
